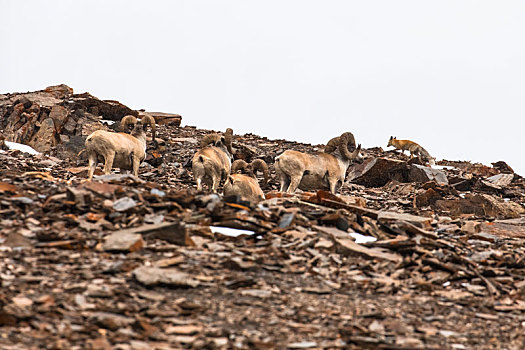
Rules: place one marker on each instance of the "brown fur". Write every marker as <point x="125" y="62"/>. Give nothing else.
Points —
<point x="412" y="147"/>
<point x="212" y="164"/>
<point x="211" y="138"/>
<point x="132" y="120"/>
<point x="251" y="168"/>
<point x="126" y="122"/>
<point x="246" y="185"/>
<point x="118" y="149"/>
<point x="319" y="171"/>
<point x="148" y="119"/>
<point x="334" y="143"/>
<point x="239" y="165"/>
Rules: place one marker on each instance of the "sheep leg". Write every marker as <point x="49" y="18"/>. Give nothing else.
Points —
<point x="333" y="184"/>
<point x="285" y="182"/>
<point x="92" y="164"/>
<point x="109" y="162"/>
<point x="294" y="183"/>
<point x="215" y="183"/>
<point x="199" y="183"/>
<point x="136" y="164"/>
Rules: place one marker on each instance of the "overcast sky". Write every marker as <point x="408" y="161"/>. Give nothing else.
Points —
<point x="449" y="75"/>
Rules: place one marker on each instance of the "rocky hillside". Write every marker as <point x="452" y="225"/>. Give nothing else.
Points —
<point x="404" y="257"/>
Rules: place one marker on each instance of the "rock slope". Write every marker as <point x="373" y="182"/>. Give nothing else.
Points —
<point x="404" y="257"/>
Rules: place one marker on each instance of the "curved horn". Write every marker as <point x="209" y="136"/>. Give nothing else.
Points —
<point x="259" y="164"/>
<point x="129" y="119"/>
<point x="151" y="121"/>
<point x="237" y="165"/>
<point x="332" y="145"/>
<point x="210" y="138"/>
<point x="345" y="140"/>
<point x="355" y="154"/>
<point x="228" y="135"/>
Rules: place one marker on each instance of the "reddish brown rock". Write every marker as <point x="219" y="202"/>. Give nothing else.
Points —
<point x="503" y="167"/>
<point x="420" y="173"/>
<point x="501" y="180"/>
<point x="426" y="198"/>
<point x="376" y="172"/>
<point x="123" y="242"/>
<point x="59" y="115"/>
<point x="392" y="217"/>
<point x="151" y="276"/>
<point x="45" y="138"/>
<point x="482" y="205"/>
<point x="166" y="118"/>
<point x="61" y="91"/>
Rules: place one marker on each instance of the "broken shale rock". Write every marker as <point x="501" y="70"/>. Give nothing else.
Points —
<point x="290" y="279"/>
<point x="45" y="137"/>
<point x="376" y="172"/>
<point x="151" y="276"/>
<point x="172" y="232"/>
<point x="501" y="180"/>
<point x="388" y="217"/>
<point x="482" y="205"/>
<point x="123" y="242"/>
<point x="46" y="118"/>
<point x="420" y="173"/>
<point x="346" y="246"/>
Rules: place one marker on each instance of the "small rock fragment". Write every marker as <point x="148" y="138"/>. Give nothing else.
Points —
<point x="150" y="276"/>
<point x="123" y="242"/>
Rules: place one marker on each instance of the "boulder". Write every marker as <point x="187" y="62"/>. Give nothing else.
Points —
<point x="61" y="91"/>
<point x="123" y="242"/>
<point x="87" y="126"/>
<point x="376" y="172"/>
<point x="426" y="198"/>
<point x="420" y="173"/>
<point x="501" y="180"/>
<point x="108" y="109"/>
<point x="503" y="167"/>
<point x="44" y="139"/>
<point x="481" y="205"/>
<point x="59" y="115"/>
<point x="166" y="118"/>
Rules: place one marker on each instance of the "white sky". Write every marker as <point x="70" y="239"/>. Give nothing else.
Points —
<point x="449" y="75"/>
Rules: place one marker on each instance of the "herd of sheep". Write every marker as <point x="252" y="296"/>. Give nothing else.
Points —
<point x="213" y="163"/>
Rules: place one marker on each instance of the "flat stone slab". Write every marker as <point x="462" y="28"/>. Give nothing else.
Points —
<point x="123" y="242"/>
<point x="391" y="216"/>
<point x="150" y="276"/>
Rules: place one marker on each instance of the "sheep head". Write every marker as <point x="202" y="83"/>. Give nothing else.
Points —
<point x="345" y="140"/>
<point x="250" y="169"/>
<point x="148" y="119"/>
<point x="126" y="122"/>
<point x="335" y="142"/>
<point x="259" y="164"/>
<point x="239" y="165"/>
<point x="214" y="138"/>
<point x="138" y="130"/>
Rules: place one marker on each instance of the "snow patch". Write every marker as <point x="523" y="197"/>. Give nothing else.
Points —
<point x="442" y="167"/>
<point x="231" y="232"/>
<point x="21" y="147"/>
<point x="359" y="238"/>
